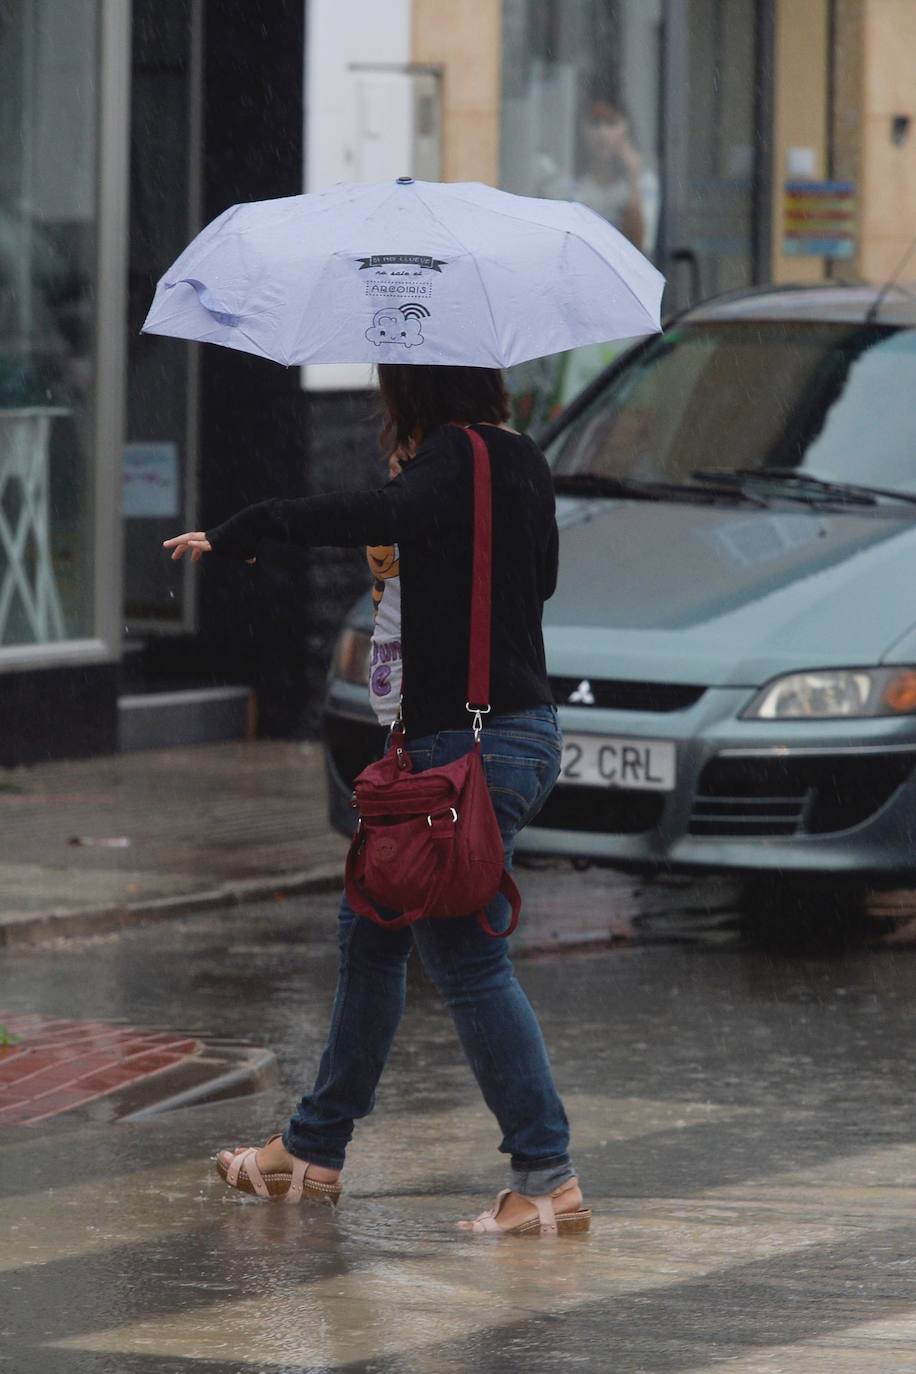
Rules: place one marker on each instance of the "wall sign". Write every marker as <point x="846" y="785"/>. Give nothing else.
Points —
<point x="819" y="219"/>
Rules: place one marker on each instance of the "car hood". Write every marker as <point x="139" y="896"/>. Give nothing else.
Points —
<point x="726" y="595"/>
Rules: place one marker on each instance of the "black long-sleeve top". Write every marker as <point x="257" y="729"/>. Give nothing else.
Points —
<point x="428" y="512"/>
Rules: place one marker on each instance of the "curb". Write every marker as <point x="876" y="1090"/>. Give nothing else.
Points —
<point x="219" y="1071"/>
<point x="45" y="927"/>
<point x="258" y="1071"/>
<point x="51" y="925"/>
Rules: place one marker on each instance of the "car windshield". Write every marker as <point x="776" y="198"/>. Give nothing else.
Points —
<point x="827" y="398"/>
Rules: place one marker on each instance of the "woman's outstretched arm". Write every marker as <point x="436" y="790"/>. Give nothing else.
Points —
<point x="395" y="512"/>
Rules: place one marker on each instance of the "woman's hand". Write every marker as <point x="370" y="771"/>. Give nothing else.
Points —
<point x="195" y="540"/>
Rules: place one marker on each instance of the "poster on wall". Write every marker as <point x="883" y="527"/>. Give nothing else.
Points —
<point x="150" y="480"/>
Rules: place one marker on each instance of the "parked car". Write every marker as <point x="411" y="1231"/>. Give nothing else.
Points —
<point x="732" y="644"/>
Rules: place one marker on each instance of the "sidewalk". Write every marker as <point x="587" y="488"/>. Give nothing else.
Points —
<point x="203" y="828"/>
<point x="193" y="828"/>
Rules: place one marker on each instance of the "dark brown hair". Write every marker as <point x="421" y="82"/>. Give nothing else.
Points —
<point x="416" y="398"/>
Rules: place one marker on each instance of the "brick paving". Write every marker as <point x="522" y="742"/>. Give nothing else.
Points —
<point x="57" y="1064"/>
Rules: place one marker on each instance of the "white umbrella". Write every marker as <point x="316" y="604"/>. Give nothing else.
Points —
<point x="408" y="272"/>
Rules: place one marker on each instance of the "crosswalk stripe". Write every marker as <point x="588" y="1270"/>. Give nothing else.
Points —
<point x="73" y="1219"/>
<point x="443" y="1286"/>
<point x="456" y="1289"/>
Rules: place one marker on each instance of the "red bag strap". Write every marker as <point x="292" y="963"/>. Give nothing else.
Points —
<point x="512" y="895"/>
<point x="481" y="576"/>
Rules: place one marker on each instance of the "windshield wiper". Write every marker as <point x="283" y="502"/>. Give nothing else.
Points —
<point x="850" y="488"/>
<point x="591" y="484"/>
<point x="804" y="486"/>
<point x="631" y="489"/>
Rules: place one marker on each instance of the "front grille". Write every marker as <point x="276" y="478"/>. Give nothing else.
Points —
<point x="353" y="745"/>
<point x="600" y="810"/>
<point x="816" y="795"/>
<point x="611" y="695"/>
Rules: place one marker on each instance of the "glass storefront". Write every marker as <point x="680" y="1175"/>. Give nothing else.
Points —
<point x="580" y="107"/>
<point x="644" y="110"/>
<point x="580" y="121"/>
<point x="49" y="77"/>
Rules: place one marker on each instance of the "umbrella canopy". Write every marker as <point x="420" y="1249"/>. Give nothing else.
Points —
<point x="408" y="272"/>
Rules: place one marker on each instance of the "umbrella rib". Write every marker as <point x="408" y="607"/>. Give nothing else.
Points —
<point x="464" y="248"/>
<point x="567" y="233"/>
<point x="305" y="306"/>
<point x="318" y="280"/>
<point x="483" y="288"/>
<point x="620" y="277"/>
<point x="521" y="219"/>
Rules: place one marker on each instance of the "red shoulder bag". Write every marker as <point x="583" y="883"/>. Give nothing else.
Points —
<point x="428" y="844"/>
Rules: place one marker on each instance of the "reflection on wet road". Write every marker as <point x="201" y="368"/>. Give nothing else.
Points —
<point x="743" y="1123"/>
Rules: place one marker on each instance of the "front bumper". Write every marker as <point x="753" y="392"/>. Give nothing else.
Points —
<point x="803" y="798"/>
<point x="818" y="798"/>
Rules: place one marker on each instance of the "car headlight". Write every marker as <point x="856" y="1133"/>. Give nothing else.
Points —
<point x="351" y="656"/>
<point x="834" y="693"/>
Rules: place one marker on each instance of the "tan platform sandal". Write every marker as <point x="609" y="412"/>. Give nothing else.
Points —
<point x="242" y="1172"/>
<point x="546" y="1223"/>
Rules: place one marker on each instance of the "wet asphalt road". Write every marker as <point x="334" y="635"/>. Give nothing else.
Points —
<point x="744" y="1124"/>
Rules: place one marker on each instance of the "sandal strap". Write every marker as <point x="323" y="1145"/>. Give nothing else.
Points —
<point x="296" y="1183"/>
<point x="547" y="1215"/>
<point x="235" y="1167"/>
<point x="247" y="1160"/>
<point x="487" y="1222"/>
<point x="255" y="1177"/>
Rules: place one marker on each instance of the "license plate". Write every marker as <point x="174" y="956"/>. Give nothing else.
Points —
<point x="640" y="765"/>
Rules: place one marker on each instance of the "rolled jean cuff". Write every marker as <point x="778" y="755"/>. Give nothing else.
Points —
<point x="324" y="1158"/>
<point x="536" y="1180"/>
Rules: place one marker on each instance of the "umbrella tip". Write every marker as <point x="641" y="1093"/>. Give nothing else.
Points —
<point x="405" y="181"/>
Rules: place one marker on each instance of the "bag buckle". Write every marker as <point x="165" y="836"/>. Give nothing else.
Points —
<point x="429" y="819"/>
<point x="478" y="713"/>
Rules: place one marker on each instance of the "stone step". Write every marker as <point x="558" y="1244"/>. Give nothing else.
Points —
<point x="208" y="715"/>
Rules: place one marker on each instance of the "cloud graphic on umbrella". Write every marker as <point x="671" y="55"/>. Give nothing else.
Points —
<point x="398" y="325"/>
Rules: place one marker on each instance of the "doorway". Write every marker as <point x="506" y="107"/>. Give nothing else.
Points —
<point x="160" y="458"/>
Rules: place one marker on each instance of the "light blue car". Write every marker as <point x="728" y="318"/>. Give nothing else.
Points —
<point x="732" y="644"/>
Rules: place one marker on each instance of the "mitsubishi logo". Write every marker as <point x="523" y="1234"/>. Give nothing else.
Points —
<point x="583" y="695"/>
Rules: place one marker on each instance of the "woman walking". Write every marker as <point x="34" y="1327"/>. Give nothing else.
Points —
<point x="427" y="512"/>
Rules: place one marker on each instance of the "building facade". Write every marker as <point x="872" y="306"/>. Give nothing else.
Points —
<point x="125" y="125"/>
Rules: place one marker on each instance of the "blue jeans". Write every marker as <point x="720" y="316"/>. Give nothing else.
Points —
<point x="497" y="1028"/>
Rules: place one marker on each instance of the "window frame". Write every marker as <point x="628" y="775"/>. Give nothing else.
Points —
<point x="103" y="645"/>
